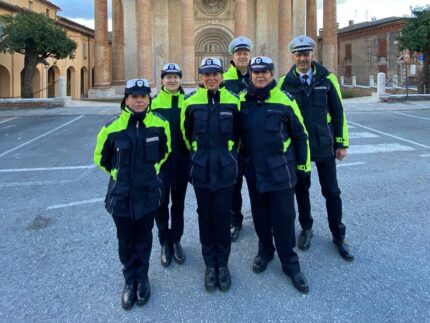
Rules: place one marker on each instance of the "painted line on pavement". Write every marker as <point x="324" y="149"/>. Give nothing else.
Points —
<point x="360" y="135"/>
<point x="410" y="115"/>
<point x="34" y="183"/>
<point x="338" y="164"/>
<point x="428" y="155"/>
<point x="41" y="136"/>
<point x="4" y="121"/>
<point x="17" y="170"/>
<point x="392" y="136"/>
<point x="61" y="206"/>
<point x="378" y="148"/>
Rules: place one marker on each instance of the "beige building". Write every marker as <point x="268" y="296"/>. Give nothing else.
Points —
<point x="78" y="71"/>
<point x="148" y="33"/>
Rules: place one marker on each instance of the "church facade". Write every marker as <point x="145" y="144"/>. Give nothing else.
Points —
<point x="146" y="34"/>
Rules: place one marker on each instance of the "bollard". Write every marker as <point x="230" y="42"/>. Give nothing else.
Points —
<point x="354" y="80"/>
<point x="342" y="80"/>
<point x="381" y="85"/>
<point x="62" y="90"/>
<point x="371" y="81"/>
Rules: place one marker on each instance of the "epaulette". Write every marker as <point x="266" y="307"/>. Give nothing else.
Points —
<point x="189" y="94"/>
<point x="112" y="121"/>
<point x="159" y="115"/>
<point x="290" y="96"/>
<point x="233" y="93"/>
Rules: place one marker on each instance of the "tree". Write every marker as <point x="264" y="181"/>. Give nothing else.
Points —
<point x="415" y="36"/>
<point x="37" y="37"/>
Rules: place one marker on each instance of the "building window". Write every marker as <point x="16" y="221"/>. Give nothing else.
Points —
<point x="30" y="5"/>
<point x="84" y="50"/>
<point x="348" y="51"/>
<point x="348" y="71"/>
<point x="382" y="48"/>
<point x="47" y="12"/>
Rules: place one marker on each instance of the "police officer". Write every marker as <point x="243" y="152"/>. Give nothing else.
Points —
<point x="275" y="146"/>
<point x="236" y="80"/>
<point x="131" y="149"/>
<point x="209" y="122"/>
<point x="318" y="95"/>
<point x="168" y="103"/>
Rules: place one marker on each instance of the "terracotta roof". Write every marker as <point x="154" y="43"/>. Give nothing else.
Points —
<point x="49" y="3"/>
<point x="75" y="26"/>
<point x="369" y="24"/>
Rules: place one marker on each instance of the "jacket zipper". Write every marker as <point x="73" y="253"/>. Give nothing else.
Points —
<point x="283" y="156"/>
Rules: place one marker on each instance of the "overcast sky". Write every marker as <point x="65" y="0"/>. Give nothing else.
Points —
<point x="82" y="11"/>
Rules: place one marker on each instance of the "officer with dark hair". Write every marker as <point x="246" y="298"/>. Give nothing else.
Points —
<point x="209" y="123"/>
<point x="132" y="149"/>
<point x="236" y="80"/>
<point x="168" y="103"/>
<point x="274" y="147"/>
<point x="318" y="95"/>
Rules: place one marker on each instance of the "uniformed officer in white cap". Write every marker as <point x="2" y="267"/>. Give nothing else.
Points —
<point x="209" y="123"/>
<point x="236" y="79"/>
<point x="274" y="146"/>
<point x="318" y="95"/>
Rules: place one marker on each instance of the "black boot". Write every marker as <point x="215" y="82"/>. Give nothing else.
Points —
<point x="343" y="249"/>
<point x="224" y="279"/>
<point x="210" y="279"/>
<point x="128" y="296"/>
<point x="304" y="239"/>
<point x="260" y="263"/>
<point x="234" y="232"/>
<point x="300" y="283"/>
<point x="178" y="252"/>
<point x="166" y="254"/>
<point x="143" y="293"/>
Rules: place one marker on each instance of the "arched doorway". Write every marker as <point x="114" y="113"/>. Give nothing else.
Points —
<point x="37" y="93"/>
<point x="71" y="81"/>
<point x="4" y="82"/>
<point x="84" y="82"/>
<point x="212" y="41"/>
<point x="53" y="75"/>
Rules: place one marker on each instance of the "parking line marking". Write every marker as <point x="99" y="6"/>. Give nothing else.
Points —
<point x="349" y="164"/>
<point x="60" y="206"/>
<point x="17" y="170"/>
<point x="3" y="121"/>
<point x="378" y="148"/>
<point x="17" y="184"/>
<point x="392" y="136"/>
<point x="410" y="115"/>
<point x="41" y="136"/>
<point x="428" y="155"/>
<point x="360" y="135"/>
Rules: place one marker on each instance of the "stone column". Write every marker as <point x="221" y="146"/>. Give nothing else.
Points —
<point x="299" y="17"/>
<point x="330" y="36"/>
<point x="118" y="65"/>
<point x="144" y="40"/>
<point x="101" y="69"/>
<point x="188" y="51"/>
<point x="284" y="36"/>
<point x="240" y="18"/>
<point x="311" y="23"/>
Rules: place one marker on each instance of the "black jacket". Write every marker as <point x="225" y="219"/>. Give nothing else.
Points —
<point x="274" y="143"/>
<point x="321" y="108"/>
<point x="131" y="149"/>
<point x="234" y="80"/>
<point x="210" y="124"/>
